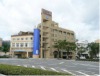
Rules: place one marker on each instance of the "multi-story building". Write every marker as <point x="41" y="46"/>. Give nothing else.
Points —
<point x="21" y="44"/>
<point x="0" y="42"/>
<point x="51" y="32"/>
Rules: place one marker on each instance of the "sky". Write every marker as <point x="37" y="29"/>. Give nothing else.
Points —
<point x="81" y="16"/>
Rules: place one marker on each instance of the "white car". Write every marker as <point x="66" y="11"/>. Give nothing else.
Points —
<point x="82" y="57"/>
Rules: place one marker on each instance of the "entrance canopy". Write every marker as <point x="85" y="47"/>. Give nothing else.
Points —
<point x="20" y="51"/>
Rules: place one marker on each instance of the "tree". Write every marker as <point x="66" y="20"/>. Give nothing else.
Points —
<point x="94" y="49"/>
<point x="5" y="47"/>
<point x="70" y="46"/>
<point x="59" y="45"/>
<point x="64" y="45"/>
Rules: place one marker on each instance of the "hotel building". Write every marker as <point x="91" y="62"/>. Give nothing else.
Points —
<point x="21" y="44"/>
<point x="51" y="32"/>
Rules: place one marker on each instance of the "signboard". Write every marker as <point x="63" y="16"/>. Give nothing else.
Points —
<point x="46" y="12"/>
<point x="36" y="42"/>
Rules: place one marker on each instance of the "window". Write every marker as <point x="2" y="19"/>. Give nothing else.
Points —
<point x="13" y="38"/>
<point x="21" y="45"/>
<point x="13" y="44"/>
<point x="17" y="44"/>
<point x="31" y="38"/>
<point x="68" y="33"/>
<point x="26" y="38"/>
<point x="30" y="44"/>
<point x="26" y="44"/>
<point x="22" y="39"/>
<point x="72" y="34"/>
<point x="64" y="33"/>
<point x="55" y="35"/>
<point x="17" y="38"/>
<point x="60" y="32"/>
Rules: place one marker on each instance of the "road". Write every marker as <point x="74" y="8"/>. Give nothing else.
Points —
<point x="86" y="68"/>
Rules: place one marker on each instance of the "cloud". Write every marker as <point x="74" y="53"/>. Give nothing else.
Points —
<point x="81" y="16"/>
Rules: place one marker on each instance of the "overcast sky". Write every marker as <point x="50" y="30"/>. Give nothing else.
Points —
<point x="81" y="16"/>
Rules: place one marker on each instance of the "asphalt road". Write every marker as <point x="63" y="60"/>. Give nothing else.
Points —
<point x="85" y="68"/>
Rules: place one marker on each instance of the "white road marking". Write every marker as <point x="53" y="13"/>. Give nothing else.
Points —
<point x="25" y="65"/>
<point x="42" y="67"/>
<point x="61" y="62"/>
<point x="68" y="72"/>
<point x="88" y="71"/>
<point x="54" y="69"/>
<point x="82" y="73"/>
<point x="33" y="66"/>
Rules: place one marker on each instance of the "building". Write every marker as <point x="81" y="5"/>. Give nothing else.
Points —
<point x="82" y="49"/>
<point x="21" y="44"/>
<point x="97" y="41"/>
<point x="0" y="42"/>
<point x="51" y="32"/>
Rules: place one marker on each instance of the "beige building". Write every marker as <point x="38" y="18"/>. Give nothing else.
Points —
<point x="51" y="32"/>
<point x="21" y="44"/>
<point x="97" y="41"/>
<point x="0" y="42"/>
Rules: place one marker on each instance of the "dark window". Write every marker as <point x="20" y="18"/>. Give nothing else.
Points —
<point x="17" y="44"/>
<point x="26" y="44"/>
<point x="21" y="45"/>
<point x="26" y="38"/>
<point x="22" y="39"/>
<point x="31" y="38"/>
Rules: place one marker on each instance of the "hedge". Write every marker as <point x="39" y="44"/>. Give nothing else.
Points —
<point x="19" y="70"/>
<point x="4" y="56"/>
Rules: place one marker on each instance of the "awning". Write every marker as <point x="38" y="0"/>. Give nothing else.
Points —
<point x="20" y="51"/>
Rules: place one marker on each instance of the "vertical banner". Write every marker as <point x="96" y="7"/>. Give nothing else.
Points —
<point x="36" y="46"/>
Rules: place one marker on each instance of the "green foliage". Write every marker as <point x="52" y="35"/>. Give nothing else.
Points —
<point x="1" y="48"/>
<point x="94" y="49"/>
<point x="5" y="47"/>
<point x="19" y="70"/>
<point x="4" y="56"/>
<point x="64" y="45"/>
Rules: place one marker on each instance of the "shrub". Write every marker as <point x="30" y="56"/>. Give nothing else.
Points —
<point x="19" y="70"/>
<point x="4" y="56"/>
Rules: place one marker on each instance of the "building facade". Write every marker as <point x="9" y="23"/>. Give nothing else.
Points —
<point x="51" y="32"/>
<point x="22" y="44"/>
<point x="82" y="51"/>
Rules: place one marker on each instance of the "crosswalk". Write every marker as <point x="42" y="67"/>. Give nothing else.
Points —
<point x="73" y="72"/>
